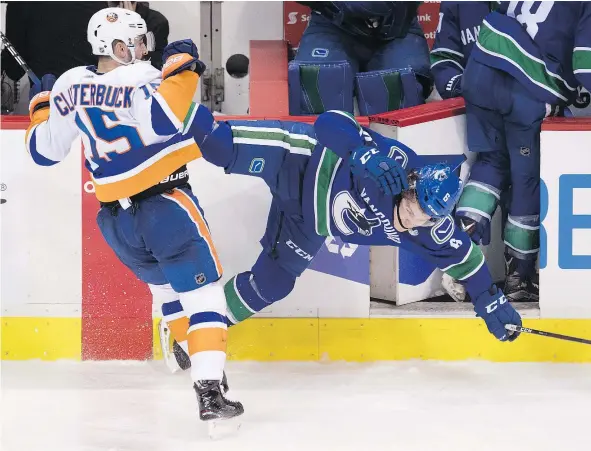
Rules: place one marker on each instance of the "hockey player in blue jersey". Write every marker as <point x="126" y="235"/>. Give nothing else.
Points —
<point x="529" y="59"/>
<point x="373" y="50"/>
<point x="336" y="178"/>
<point x="457" y="32"/>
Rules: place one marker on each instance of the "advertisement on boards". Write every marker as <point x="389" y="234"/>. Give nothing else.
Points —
<point x="296" y="18"/>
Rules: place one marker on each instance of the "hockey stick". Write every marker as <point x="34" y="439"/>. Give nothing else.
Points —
<point x="527" y="330"/>
<point x="19" y="59"/>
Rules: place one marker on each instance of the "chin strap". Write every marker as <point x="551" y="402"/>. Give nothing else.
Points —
<point x="400" y="220"/>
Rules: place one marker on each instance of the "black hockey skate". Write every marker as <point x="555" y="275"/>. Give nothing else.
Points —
<point x="516" y="284"/>
<point x="212" y="403"/>
<point x="182" y="358"/>
<point x="533" y="288"/>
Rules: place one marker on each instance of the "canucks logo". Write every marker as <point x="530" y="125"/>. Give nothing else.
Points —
<point x="344" y="206"/>
<point x="256" y="166"/>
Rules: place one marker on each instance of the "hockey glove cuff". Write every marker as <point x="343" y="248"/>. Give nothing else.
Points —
<point x="179" y="56"/>
<point x="39" y="96"/>
<point x="496" y="311"/>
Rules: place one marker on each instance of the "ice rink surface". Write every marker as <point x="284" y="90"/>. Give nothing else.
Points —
<point x="402" y="406"/>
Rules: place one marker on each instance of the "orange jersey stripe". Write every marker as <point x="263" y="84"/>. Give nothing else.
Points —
<point x="150" y="176"/>
<point x="187" y="203"/>
<point x="178" y="91"/>
<point x="179" y="328"/>
<point x="207" y="339"/>
<point x="40" y="116"/>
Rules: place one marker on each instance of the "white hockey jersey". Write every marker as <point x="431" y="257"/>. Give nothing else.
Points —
<point x="130" y="121"/>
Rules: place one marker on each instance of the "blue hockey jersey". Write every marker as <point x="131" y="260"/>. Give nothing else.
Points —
<point x="355" y="210"/>
<point x="316" y="184"/>
<point x="545" y="45"/>
<point x="457" y="32"/>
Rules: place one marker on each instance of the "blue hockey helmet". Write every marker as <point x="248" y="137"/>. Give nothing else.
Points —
<point x="438" y="189"/>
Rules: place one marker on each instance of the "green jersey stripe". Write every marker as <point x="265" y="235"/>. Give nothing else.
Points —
<point x="439" y="56"/>
<point x="469" y="265"/>
<point x="503" y="46"/>
<point x="295" y="143"/>
<point x="581" y="60"/>
<point x="189" y="117"/>
<point x="327" y="168"/>
<point x="236" y="305"/>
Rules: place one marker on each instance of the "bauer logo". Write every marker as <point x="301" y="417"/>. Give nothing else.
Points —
<point x="256" y="166"/>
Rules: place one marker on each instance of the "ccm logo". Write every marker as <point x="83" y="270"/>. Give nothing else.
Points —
<point x="494" y="304"/>
<point x="299" y="251"/>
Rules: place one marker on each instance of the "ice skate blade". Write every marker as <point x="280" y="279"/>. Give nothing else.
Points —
<point x="165" y="346"/>
<point x="220" y="428"/>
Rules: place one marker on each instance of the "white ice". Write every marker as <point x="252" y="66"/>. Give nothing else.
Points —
<point x="405" y="406"/>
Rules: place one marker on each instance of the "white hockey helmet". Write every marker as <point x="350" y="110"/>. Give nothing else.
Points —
<point x="111" y="24"/>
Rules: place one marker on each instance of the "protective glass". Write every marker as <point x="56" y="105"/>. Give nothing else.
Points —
<point x="147" y="40"/>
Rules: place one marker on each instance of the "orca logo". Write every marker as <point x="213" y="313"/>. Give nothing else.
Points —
<point x="345" y="207"/>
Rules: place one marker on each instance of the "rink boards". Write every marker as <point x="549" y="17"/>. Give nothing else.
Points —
<point x="64" y="294"/>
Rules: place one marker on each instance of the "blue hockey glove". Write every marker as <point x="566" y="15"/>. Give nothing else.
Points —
<point x="39" y="94"/>
<point x="454" y="86"/>
<point x="366" y="161"/>
<point x="496" y="311"/>
<point x="179" y="56"/>
<point x="47" y="83"/>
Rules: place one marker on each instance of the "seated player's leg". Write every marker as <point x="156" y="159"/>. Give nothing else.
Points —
<point x="321" y="75"/>
<point x="288" y="249"/>
<point x="398" y="76"/>
<point x="181" y="242"/>
<point x="522" y="229"/>
<point x="489" y="176"/>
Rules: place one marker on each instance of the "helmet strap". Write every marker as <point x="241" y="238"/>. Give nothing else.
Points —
<point x="398" y="215"/>
<point x="131" y="51"/>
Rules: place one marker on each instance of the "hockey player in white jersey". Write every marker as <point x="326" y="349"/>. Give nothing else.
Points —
<point x="135" y="125"/>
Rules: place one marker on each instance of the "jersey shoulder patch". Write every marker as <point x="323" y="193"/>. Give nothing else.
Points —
<point x="443" y="230"/>
<point x="398" y="155"/>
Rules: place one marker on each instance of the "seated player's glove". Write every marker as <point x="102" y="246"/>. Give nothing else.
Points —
<point x="179" y="56"/>
<point x="454" y="86"/>
<point x="39" y="94"/>
<point x="496" y="311"/>
<point x="366" y="161"/>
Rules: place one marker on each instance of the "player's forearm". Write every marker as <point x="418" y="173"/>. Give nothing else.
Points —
<point x="173" y="98"/>
<point x="41" y="147"/>
<point x="446" y="73"/>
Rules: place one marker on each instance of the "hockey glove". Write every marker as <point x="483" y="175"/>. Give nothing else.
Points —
<point x="366" y="161"/>
<point x="496" y="311"/>
<point x="454" y="87"/>
<point x="39" y="97"/>
<point x="340" y="132"/>
<point x="179" y="56"/>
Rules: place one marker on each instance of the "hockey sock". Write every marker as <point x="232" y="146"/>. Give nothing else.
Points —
<point x="207" y="333"/>
<point x="177" y="322"/>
